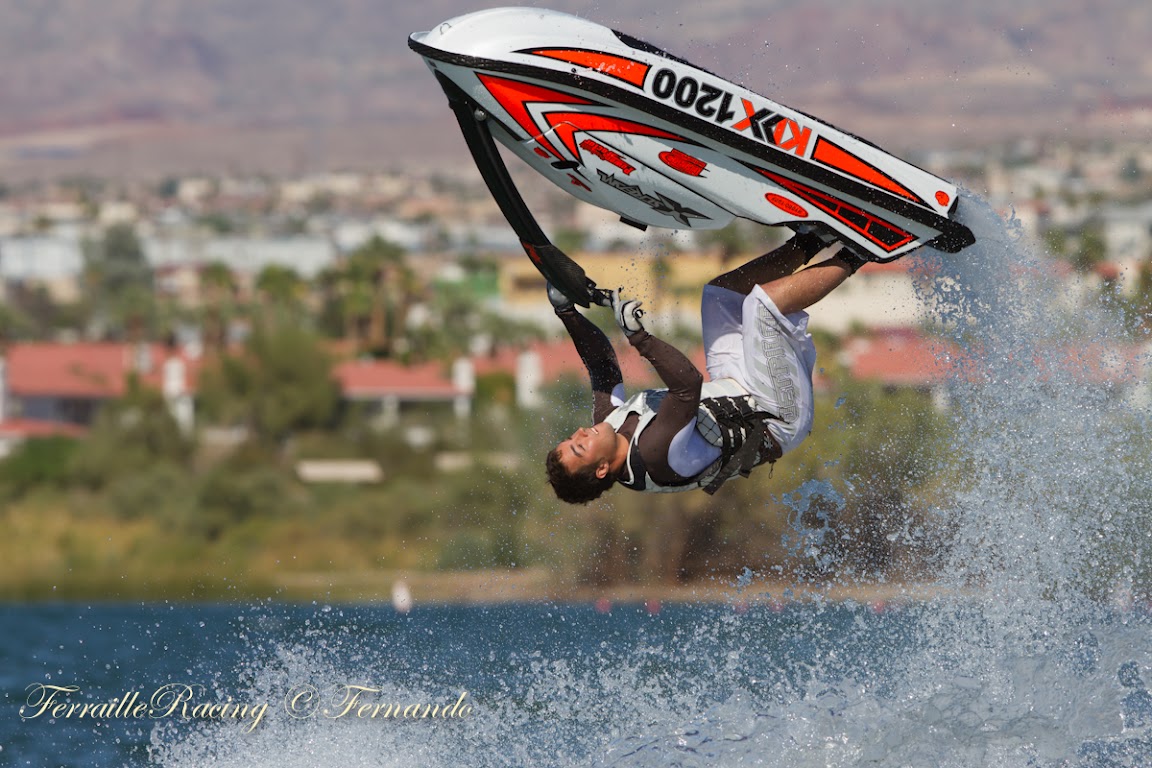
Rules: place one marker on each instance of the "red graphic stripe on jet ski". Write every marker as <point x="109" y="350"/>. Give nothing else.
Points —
<point x="568" y="123"/>
<point x="515" y="95"/>
<point x="884" y="234"/>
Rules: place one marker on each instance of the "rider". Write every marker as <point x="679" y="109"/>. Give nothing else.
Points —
<point x="757" y="406"/>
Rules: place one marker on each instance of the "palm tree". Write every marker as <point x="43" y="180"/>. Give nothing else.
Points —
<point x="371" y="292"/>
<point x="280" y="286"/>
<point x="118" y="279"/>
<point x="218" y="293"/>
<point x="218" y="282"/>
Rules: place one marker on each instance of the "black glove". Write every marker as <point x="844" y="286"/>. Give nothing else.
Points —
<point x="627" y="313"/>
<point x="560" y="302"/>
<point x="851" y="258"/>
<point x="811" y="240"/>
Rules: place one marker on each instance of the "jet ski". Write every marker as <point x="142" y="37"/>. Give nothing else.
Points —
<point x="626" y="126"/>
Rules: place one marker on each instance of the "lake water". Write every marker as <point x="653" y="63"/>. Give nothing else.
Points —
<point x="808" y="684"/>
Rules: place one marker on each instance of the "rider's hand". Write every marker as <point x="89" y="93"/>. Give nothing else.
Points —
<point x="811" y="239"/>
<point x="851" y="258"/>
<point x="627" y="313"/>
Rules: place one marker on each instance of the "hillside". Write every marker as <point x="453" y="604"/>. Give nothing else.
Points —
<point x="144" y="88"/>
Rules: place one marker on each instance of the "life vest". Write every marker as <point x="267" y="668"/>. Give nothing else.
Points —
<point x="727" y="417"/>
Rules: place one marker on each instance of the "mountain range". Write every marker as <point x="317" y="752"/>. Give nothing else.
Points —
<point x="138" y="88"/>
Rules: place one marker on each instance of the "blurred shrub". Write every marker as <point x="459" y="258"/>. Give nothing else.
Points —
<point x="130" y="436"/>
<point x="466" y="550"/>
<point x="37" y="462"/>
<point x="165" y="492"/>
<point x="229" y="496"/>
<point x="498" y="387"/>
<point x="280" y="384"/>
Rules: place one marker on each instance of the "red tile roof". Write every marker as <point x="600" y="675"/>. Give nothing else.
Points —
<point x="559" y="358"/>
<point x="94" y="370"/>
<point x="1108" y="270"/>
<point x="900" y="358"/>
<point x="1096" y="363"/>
<point x="909" y="358"/>
<point x="100" y="371"/>
<point x="25" y="428"/>
<point x="379" y="378"/>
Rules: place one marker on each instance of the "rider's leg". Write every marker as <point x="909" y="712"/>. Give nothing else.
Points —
<point x="775" y="264"/>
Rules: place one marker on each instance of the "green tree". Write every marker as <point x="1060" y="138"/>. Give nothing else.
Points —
<point x="218" y="290"/>
<point x="456" y="317"/>
<point x="219" y="282"/>
<point x="1092" y="249"/>
<point x="1141" y="303"/>
<point x="37" y="463"/>
<point x="231" y="495"/>
<point x="280" y="286"/>
<point x="119" y="279"/>
<point x="132" y="435"/>
<point x="281" y="382"/>
<point x="12" y="323"/>
<point x="218" y="223"/>
<point x="1131" y="171"/>
<point x="368" y="296"/>
<point x="732" y="240"/>
<point x="570" y="240"/>
<point x="168" y="187"/>
<point x="1056" y="242"/>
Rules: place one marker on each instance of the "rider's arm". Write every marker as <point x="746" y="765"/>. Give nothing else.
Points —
<point x="670" y="446"/>
<point x="679" y="375"/>
<point x="599" y="359"/>
<point x="682" y="379"/>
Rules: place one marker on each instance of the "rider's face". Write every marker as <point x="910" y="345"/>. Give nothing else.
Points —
<point x="593" y="446"/>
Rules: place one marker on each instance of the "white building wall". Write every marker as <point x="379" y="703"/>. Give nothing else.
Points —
<point x="176" y="394"/>
<point x="529" y="379"/>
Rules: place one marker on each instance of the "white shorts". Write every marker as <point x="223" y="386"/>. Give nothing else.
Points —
<point x="769" y="354"/>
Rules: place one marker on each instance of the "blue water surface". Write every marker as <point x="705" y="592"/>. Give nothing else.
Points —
<point x="814" y="683"/>
<point x="567" y="679"/>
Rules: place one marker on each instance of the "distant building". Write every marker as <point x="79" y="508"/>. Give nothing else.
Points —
<point x="1128" y="237"/>
<point x="40" y="258"/>
<point x="906" y="358"/>
<point x="542" y="364"/>
<point x="244" y="255"/>
<point x="48" y="388"/>
<point x="57" y="261"/>
<point x="902" y="359"/>
<point x="180" y="283"/>
<point x="68" y="383"/>
<point x="13" y="432"/>
<point x="118" y="212"/>
<point x="384" y="387"/>
<point x="879" y="296"/>
<point x="670" y="287"/>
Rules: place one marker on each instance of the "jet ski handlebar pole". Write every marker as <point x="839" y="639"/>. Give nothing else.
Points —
<point x="556" y="266"/>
